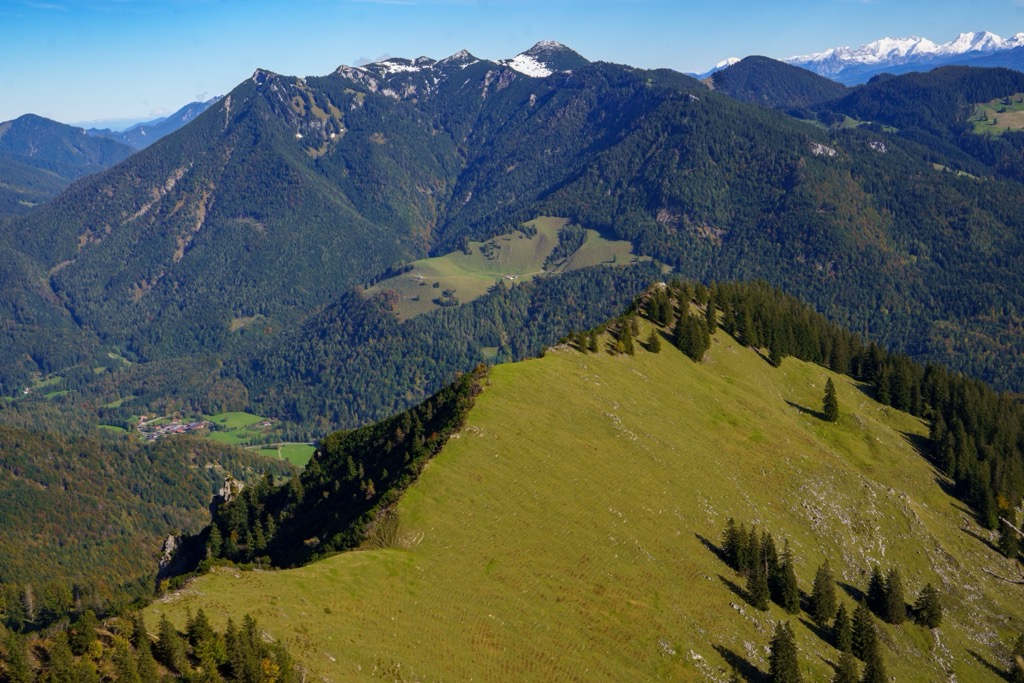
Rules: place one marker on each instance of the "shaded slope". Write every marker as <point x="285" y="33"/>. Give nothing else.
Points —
<point x="771" y="83"/>
<point x="40" y="157"/>
<point x="91" y="513"/>
<point x="565" y="532"/>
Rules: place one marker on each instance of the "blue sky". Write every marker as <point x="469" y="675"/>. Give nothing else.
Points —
<point x="86" y="60"/>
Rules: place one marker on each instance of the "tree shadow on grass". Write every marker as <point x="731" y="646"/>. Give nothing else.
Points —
<point x="718" y="551"/>
<point x="990" y="666"/>
<point x="988" y="544"/>
<point x="921" y="444"/>
<point x="856" y="593"/>
<point x="735" y="588"/>
<point x="744" y="668"/>
<point x="868" y="390"/>
<point x="824" y="633"/>
<point x="807" y="411"/>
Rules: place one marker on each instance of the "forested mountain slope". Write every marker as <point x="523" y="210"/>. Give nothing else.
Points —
<point x="40" y="157"/>
<point x="266" y="211"/>
<point x="82" y="519"/>
<point x="577" y="518"/>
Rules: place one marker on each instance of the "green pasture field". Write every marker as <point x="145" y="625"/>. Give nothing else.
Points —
<point x="512" y="258"/>
<point x="295" y="453"/>
<point x="113" y="428"/>
<point x="570" y="532"/>
<point x="999" y="116"/>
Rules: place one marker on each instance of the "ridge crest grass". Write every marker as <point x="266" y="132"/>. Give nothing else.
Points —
<point x="564" y="533"/>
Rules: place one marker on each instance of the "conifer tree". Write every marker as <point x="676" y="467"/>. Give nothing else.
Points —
<point x="654" y="341"/>
<point x="16" y="661"/>
<point x="626" y="337"/>
<point x="876" y="591"/>
<point x="147" y="667"/>
<point x="61" y="666"/>
<point x="830" y="404"/>
<point x="214" y="542"/>
<point x="711" y="315"/>
<point x="823" y="595"/>
<point x="928" y="608"/>
<point x="170" y="648"/>
<point x="744" y="553"/>
<point x="788" y="589"/>
<point x="895" y="611"/>
<point x="842" y="630"/>
<point x="83" y="633"/>
<point x="846" y="669"/>
<point x="874" y="667"/>
<point x="755" y="550"/>
<point x="731" y="543"/>
<point x="865" y="638"/>
<point x="125" y="665"/>
<point x="757" y="583"/>
<point x="784" y="665"/>
<point x="198" y="628"/>
<point x="1009" y="541"/>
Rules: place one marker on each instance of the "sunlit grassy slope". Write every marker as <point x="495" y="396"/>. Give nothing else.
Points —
<point x="559" y="537"/>
<point x="514" y="256"/>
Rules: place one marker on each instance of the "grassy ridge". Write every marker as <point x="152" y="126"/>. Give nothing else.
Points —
<point x="564" y="534"/>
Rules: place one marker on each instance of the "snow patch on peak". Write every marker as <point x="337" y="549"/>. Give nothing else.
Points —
<point x="528" y="65"/>
<point x="726" y="63"/>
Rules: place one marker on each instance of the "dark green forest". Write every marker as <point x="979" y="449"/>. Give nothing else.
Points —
<point x="83" y="517"/>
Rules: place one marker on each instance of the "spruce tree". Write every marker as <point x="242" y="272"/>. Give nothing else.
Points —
<point x="865" y="638"/>
<point x="823" y="595"/>
<point x="842" y="630"/>
<point x="16" y="662"/>
<point x="83" y="632"/>
<point x="627" y="340"/>
<point x="928" y="608"/>
<point x="591" y="346"/>
<point x="744" y="553"/>
<point x="788" y="589"/>
<point x="846" y="669"/>
<point x="895" y="611"/>
<point x="711" y="315"/>
<point x="125" y="666"/>
<point x="783" y="663"/>
<point x="170" y="647"/>
<point x="731" y="542"/>
<point x="757" y="579"/>
<point x="654" y="341"/>
<point x="1009" y="541"/>
<point x="830" y="404"/>
<point x="876" y="591"/>
<point x="874" y="667"/>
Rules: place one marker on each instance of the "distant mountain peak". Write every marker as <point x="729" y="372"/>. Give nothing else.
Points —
<point x="545" y="58"/>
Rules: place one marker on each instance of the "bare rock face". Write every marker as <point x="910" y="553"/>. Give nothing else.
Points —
<point x="231" y="490"/>
<point x="167" y="552"/>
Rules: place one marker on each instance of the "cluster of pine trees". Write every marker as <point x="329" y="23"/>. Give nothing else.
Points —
<point x="122" y="650"/>
<point x="771" y="577"/>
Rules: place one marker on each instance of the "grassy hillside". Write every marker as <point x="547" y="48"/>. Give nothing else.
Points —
<point x="569" y="532"/>
<point x="468" y="274"/>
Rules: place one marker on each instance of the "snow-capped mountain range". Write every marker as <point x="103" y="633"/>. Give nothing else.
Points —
<point x="540" y="61"/>
<point x="898" y="55"/>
